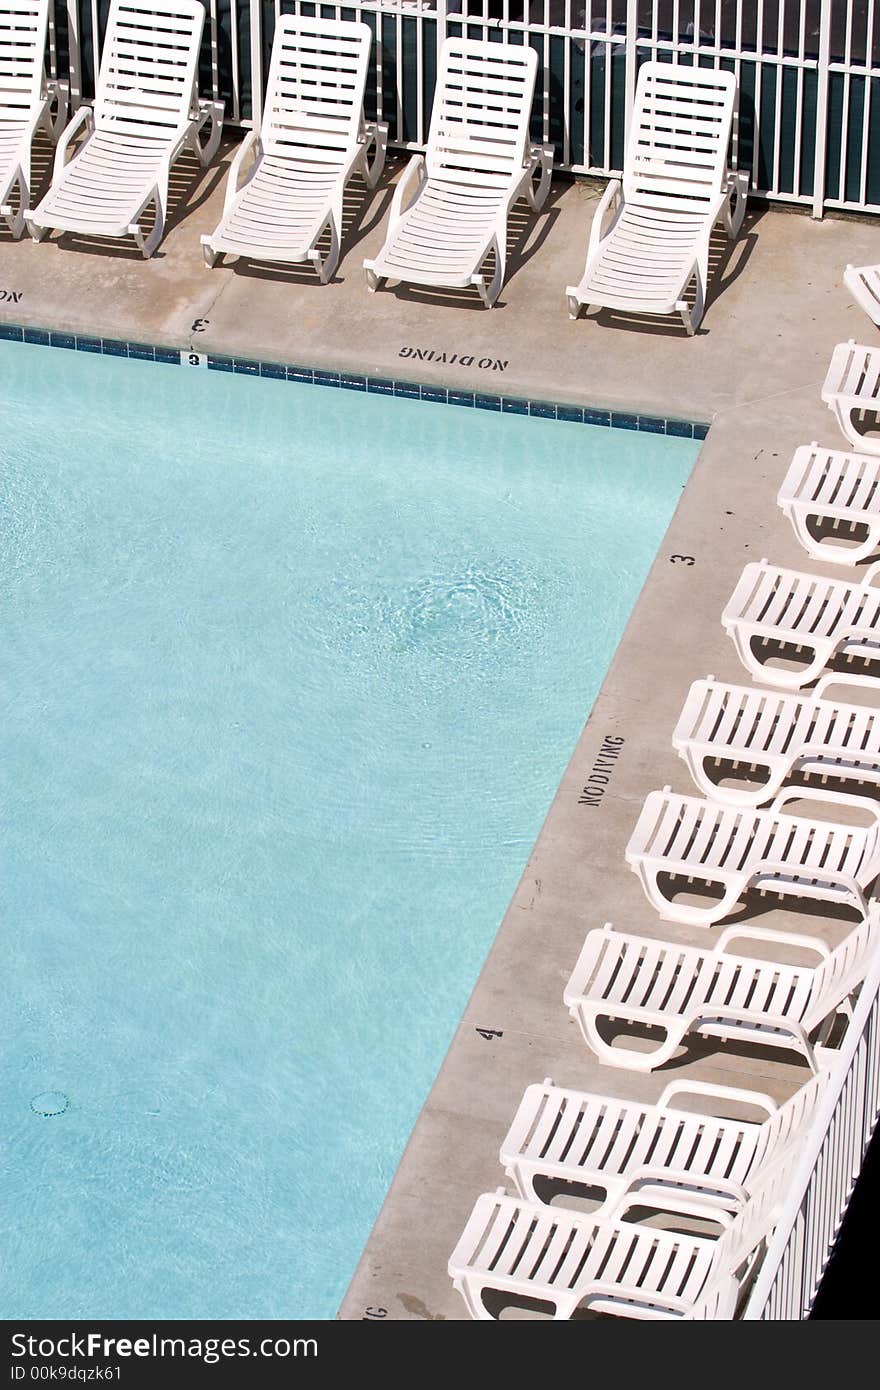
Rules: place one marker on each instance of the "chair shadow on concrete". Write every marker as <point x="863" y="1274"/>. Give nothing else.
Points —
<point x="526" y="233"/>
<point x="727" y="261"/>
<point x="696" y="1048"/>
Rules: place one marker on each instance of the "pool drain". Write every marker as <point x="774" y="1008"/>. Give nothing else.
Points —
<point x="49" y="1103"/>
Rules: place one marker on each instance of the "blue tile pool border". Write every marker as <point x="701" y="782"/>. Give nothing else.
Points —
<point x="354" y="381"/>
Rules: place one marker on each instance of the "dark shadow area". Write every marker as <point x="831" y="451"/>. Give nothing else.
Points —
<point x="850" y="1287"/>
<point x="696" y="1047"/>
<point x="730" y="774"/>
<point x="844" y="534"/>
<point x="755" y="902"/>
<point x="792" y="656"/>
<point x="866" y="424"/>
<point x="758" y="902"/>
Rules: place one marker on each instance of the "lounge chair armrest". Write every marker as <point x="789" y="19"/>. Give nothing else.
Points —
<point x="857" y="803"/>
<point x="858" y="632"/>
<point x="698" y="1187"/>
<point x="770" y="868"/>
<point x="841" y="678"/>
<point x="375" y="134"/>
<point x="717" y="211"/>
<point x="870" y="574"/>
<point x="609" y="202"/>
<point x="538" y="158"/>
<point x="250" y="144"/>
<point x="696" y="1208"/>
<point x="736" y="193"/>
<point x="706" y="1088"/>
<point x="416" y="168"/>
<point x="83" y="117"/>
<point x="208" y="112"/>
<point x="782" y="938"/>
<point x="58" y="92"/>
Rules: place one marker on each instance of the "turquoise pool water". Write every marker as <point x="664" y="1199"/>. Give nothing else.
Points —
<point x="289" y="676"/>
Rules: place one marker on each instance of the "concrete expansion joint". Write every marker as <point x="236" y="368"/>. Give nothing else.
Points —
<point x="220" y="288"/>
<point x="813" y="385"/>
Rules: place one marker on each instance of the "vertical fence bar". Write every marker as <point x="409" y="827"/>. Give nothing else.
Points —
<point x="632" y="34"/>
<point x="813" y="44"/>
<point x="823" y="1179"/>
<point x="441" y="27"/>
<point x="256" y="17"/>
<point x="819" y="162"/>
<point x="74" y="45"/>
<point x="233" y="110"/>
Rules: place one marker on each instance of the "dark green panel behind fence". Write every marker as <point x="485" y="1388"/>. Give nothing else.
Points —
<point x="582" y="93"/>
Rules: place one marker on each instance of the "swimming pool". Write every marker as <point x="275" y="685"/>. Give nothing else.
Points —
<point x="289" y="679"/>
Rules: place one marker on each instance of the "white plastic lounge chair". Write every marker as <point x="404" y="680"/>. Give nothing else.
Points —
<point x="676" y="188"/>
<point x="146" y="113"/>
<point x="26" y="102"/>
<point x="863" y="283"/>
<point x="567" y="1260"/>
<point x="839" y="489"/>
<point x="852" y="389"/>
<point x="823" y="618"/>
<point x="716" y="993"/>
<point x="738" y="848"/>
<point x="312" y="140"/>
<point x="775" y="734"/>
<point x="478" y="162"/>
<point x="623" y="1147"/>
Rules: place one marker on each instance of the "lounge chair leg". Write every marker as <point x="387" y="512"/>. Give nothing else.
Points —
<point x="490" y="292"/>
<point x="211" y="256"/>
<point x="684" y="310"/>
<point x="148" y="245"/>
<point x="326" y="268"/>
<point x="374" y="281"/>
<point x="575" y="307"/>
<point x="15" y="217"/>
<point x="630" y="1059"/>
<point x="472" y="1295"/>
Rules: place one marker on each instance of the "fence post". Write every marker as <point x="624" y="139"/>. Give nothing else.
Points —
<point x="74" y="60"/>
<point x="822" y="109"/>
<point x="440" y="6"/>
<point x="256" y="18"/>
<point x="632" y="33"/>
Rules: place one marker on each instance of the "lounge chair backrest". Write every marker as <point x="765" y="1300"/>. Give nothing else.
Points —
<point x="790" y="1120"/>
<point x="480" y="121"/>
<point x="753" y="1223"/>
<point x="22" y="47"/>
<point x="840" y="972"/>
<point x="315" y="92"/>
<point x="148" y="65"/>
<point x="679" y="134"/>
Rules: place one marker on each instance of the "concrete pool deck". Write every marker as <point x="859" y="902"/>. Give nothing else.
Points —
<point x="754" y="370"/>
